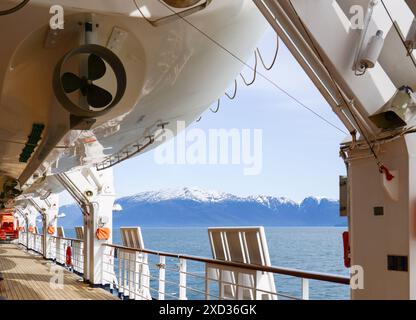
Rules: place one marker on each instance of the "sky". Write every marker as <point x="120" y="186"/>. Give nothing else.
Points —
<point x="300" y="151"/>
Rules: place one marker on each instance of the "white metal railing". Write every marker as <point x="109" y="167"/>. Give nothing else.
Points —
<point x="23" y="238"/>
<point x="32" y="241"/>
<point x="38" y="243"/>
<point x="61" y="254"/>
<point x="146" y="274"/>
<point x="57" y="249"/>
<point x="143" y="274"/>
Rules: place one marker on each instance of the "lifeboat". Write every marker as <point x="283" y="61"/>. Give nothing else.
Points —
<point x="8" y="228"/>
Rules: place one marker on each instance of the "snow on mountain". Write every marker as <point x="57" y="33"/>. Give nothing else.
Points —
<point x="192" y="194"/>
<point x="200" y="195"/>
<point x="198" y="207"/>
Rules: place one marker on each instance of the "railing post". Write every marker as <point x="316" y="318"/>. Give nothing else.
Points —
<point x="305" y="289"/>
<point x="182" y="279"/>
<point x="58" y="250"/>
<point x="120" y="254"/>
<point x="207" y="283"/>
<point x="162" y="274"/>
<point x="133" y="276"/>
<point x="53" y="247"/>
<point x="126" y="264"/>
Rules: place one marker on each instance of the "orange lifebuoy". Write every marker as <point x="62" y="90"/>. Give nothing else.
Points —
<point x="51" y="230"/>
<point x="103" y="233"/>
<point x="31" y="229"/>
<point x="68" y="256"/>
<point x="347" y="250"/>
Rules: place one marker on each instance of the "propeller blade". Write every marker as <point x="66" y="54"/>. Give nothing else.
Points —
<point x="71" y="82"/>
<point x="98" y="97"/>
<point x="96" y="67"/>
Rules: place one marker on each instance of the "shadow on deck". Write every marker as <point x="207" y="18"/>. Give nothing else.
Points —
<point x="27" y="276"/>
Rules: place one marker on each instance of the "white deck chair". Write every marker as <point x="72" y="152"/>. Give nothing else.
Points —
<point x="60" y="232"/>
<point x="78" y="247"/>
<point x="79" y="233"/>
<point x="242" y="245"/>
<point x="136" y="278"/>
<point x="60" y="245"/>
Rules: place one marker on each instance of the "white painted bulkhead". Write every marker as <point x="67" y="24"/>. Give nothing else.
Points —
<point x="373" y="237"/>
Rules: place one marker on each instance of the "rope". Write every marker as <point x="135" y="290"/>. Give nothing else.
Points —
<point x="232" y="97"/>
<point x="255" y="72"/>
<point x="14" y="9"/>
<point x="268" y="68"/>
<point x="218" y="107"/>
<point x="274" y="84"/>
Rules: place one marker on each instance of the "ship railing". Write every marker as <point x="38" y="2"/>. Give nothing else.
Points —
<point x="23" y="238"/>
<point x="38" y="243"/>
<point x="57" y="248"/>
<point x="61" y="253"/>
<point x="142" y="274"/>
<point x="32" y="241"/>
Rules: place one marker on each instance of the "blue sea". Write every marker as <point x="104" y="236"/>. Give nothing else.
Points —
<point x="316" y="249"/>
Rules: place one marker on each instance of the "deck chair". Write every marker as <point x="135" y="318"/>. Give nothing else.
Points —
<point x="241" y="245"/>
<point x="78" y="248"/>
<point x="136" y="278"/>
<point x="60" y="232"/>
<point x="79" y="233"/>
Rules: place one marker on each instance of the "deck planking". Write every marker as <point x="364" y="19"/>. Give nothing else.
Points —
<point x="27" y="276"/>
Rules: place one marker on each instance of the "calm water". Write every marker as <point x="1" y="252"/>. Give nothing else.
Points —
<point x="306" y="248"/>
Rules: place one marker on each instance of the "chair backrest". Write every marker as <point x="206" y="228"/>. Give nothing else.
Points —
<point x="240" y="244"/>
<point x="79" y="233"/>
<point x="60" y="232"/>
<point x="132" y="237"/>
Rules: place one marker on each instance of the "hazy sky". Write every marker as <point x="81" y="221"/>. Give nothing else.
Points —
<point x="300" y="151"/>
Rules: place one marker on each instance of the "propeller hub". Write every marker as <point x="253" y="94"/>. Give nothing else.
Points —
<point x="100" y="100"/>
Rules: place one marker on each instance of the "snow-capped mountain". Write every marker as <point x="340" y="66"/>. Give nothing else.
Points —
<point x="197" y="207"/>
<point x="192" y="194"/>
<point x="200" y="195"/>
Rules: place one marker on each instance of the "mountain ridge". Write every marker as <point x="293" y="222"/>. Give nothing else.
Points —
<point x="197" y="207"/>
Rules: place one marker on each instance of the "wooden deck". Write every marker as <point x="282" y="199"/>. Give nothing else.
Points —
<point x="27" y="276"/>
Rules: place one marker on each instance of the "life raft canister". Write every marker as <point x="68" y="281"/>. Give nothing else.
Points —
<point x="68" y="256"/>
<point x="103" y="233"/>
<point x="347" y="250"/>
<point x="51" y="230"/>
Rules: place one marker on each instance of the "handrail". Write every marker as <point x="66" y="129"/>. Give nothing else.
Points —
<point x="70" y="239"/>
<point x="284" y="271"/>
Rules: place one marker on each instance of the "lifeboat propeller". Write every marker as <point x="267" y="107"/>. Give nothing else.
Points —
<point x="99" y="100"/>
<point x="97" y="97"/>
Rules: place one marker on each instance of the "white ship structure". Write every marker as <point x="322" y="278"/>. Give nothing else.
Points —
<point x="81" y="94"/>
